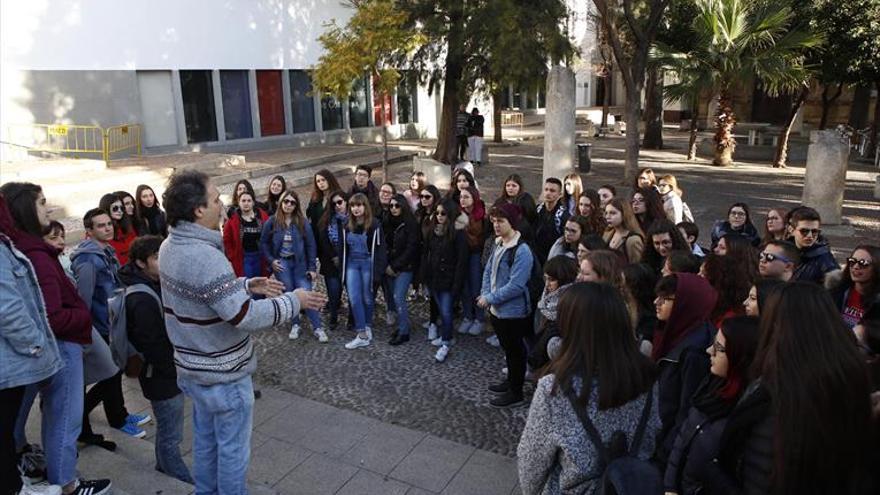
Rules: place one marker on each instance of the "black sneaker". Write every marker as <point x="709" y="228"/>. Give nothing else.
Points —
<point x="500" y="388"/>
<point x="507" y="399"/>
<point x="32" y="464"/>
<point x="91" y="487"/>
<point x="398" y="339"/>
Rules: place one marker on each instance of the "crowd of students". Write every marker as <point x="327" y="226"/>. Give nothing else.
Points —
<point x="706" y="366"/>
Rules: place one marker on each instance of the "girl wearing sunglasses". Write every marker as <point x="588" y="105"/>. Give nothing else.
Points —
<point x="859" y="285"/>
<point x="124" y="232"/>
<point x="329" y="238"/>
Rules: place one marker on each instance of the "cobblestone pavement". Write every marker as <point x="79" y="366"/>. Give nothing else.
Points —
<point x="403" y="385"/>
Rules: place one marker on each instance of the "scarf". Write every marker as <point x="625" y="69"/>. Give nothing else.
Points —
<point x="333" y="228"/>
<point x="549" y="302"/>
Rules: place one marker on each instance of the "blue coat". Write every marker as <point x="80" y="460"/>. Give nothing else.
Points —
<point x="96" y="280"/>
<point x="510" y="298"/>
<point x="303" y="244"/>
<point x="816" y="262"/>
<point x="28" y="350"/>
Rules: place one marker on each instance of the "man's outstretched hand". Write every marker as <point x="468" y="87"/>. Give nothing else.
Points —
<point x="264" y="286"/>
<point x="310" y="299"/>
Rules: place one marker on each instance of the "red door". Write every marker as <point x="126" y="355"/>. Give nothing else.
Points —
<point x="271" y="102"/>
<point x="377" y="108"/>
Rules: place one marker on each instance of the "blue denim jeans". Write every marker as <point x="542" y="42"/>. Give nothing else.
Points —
<point x="401" y="284"/>
<point x="444" y="307"/>
<point x="471" y="290"/>
<point x="334" y="296"/>
<point x="387" y="285"/>
<point x="62" y="403"/>
<point x="223" y="416"/>
<point x="358" y="282"/>
<point x="294" y="277"/>
<point x="169" y="434"/>
<point x="252" y="262"/>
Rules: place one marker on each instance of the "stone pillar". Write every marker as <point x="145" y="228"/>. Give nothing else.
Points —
<point x="559" y="129"/>
<point x="825" y="178"/>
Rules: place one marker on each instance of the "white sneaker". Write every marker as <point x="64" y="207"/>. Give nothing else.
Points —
<point x="442" y="352"/>
<point x="432" y="331"/>
<point x="40" y="489"/>
<point x="476" y="328"/>
<point x="427" y="324"/>
<point x="294" y="332"/>
<point x="390" y="318"/>
<point x="465" y="325"/>
<point x="322" y="335"/>
<point x="439" y="341"/>
<point x="504" y="371"/>
<point x="357" y="342"/>
<point x="493" y="341"/>
<point x="369" y="334"/>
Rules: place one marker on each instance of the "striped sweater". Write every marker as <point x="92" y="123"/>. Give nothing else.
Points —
<point x="209" y="314"/>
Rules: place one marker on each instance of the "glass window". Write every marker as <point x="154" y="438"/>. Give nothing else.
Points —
<point x="236" y="104"/>
<point x="331" y="113"/>
<point x="358" y="106"/>
<point x="302" y="105"/>
<point x="197" y="92"/>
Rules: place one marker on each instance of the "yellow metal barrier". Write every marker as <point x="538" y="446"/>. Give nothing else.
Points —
<point x="120" y="138"/>
<point x="512" y="118"/>
<point x="77" y="139"/>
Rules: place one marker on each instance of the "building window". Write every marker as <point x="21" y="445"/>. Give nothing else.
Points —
<point x="302" y="105"/>
<point x="236" y="94"/>
<point x="331" y="113"/>
<point x="198" y="105"/>
<point x="358" y="104"/>
<point x="270" y="94"/>
<point x="407" y="101"/>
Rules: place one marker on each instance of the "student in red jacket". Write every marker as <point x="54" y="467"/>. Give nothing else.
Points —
<point x="124" y="232"/>
<point x="241" y="238"/>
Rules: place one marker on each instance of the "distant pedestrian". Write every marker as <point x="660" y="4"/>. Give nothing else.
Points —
<point x="461" y="131"/>
<point x="475" y="137"/>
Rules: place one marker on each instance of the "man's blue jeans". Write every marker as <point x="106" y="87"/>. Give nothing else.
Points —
<point x="62" y="402"/>
<point x="401" y="284"/>
<point x="294" y="277"/>
<point x="444" y="307"/>
<point x="222" y="422"/>
<point x="358" y="282"/>
<point x="471" y="290"/>
<point x="169" y="434"/>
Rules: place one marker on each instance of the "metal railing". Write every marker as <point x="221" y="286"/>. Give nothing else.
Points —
<point x="76" y="139"/>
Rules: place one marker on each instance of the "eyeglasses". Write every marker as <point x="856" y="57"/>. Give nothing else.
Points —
<point x="718" y="348"/>
<point x="665" y="299"/>
<point x="811" y="232"/>
<point x="863" y="263"/>
<point x="770" y="257"/>
<point x="662" y="186"/>
<point x="394" y="205"/>
<point x="116" y="208"/>
<point x="426" y="196"/>
<point x="737" y="214"/>
<point x="289" y="202"/>
<point x="339" y="202"/>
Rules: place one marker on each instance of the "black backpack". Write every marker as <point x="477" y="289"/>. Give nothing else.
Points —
<point x="623" y="473"/>
<point x="535" y="285"/>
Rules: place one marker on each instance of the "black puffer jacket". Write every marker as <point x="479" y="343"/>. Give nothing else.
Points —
<point x="403" y="245"/>
<point x="327" y="251"/>
<point x="444" y="262"/>
<point x="816" y="262"/>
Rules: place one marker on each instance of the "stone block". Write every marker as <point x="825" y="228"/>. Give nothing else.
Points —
<point x="485" y="473"/>
<point x="272" y="460"/>
<point x="559" y="124"/>
<point x="825" y="177"/>
<point x="383" y="448"/>
<point x="432" y="463"/>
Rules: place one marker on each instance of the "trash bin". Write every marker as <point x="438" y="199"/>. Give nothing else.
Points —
<point x="585" y="157"/>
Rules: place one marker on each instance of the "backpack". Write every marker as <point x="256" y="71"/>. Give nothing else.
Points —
<point x="126" y="357"/>
<point x="535" y="284"/>
<point x="622" y="472"/>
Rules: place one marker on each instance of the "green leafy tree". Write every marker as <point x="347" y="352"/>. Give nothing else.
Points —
<point x="737" y="41"/>
<point x="374" y="41"/>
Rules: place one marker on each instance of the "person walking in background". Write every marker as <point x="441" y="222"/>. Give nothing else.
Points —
<point x="461" y="131"/>
<point x="475" y="137"/>
<point x="288" y="244"/>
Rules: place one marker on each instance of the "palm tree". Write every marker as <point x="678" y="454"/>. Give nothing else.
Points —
<point x="735" y="41"/>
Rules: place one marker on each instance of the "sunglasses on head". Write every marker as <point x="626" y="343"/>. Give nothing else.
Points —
<point x="770" y="257"/>
<point x="806" y="232"/>
<point x="861" y="263"/>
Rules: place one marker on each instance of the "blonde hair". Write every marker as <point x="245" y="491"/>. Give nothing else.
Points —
<point x="673" y="183"/>
<point x="575" y="179"/>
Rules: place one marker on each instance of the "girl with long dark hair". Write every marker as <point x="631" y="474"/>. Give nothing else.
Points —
<point x="461" y="179"/>
<point x="429" y="198"/>
<point x="514" y="192"/>
<point x="731" y="281"/>
<point x="637" y="286"/>
<point x="363" y="259"/>
<point x="476" y="229"/>
<point x="148" y="212"/>
<point x="758" y="294"/>
<point x="124" y="232"/>
<point x="273" y="193"/>
<point x="331" y="229"/>
<point x="589" y="208"/>
<point x="241" y="238"/>
<point x="567" y="244"/>
<point x="804" y="424"/>
<point x="323" y="183"/>
<point x="859" y="286"/>
<point x="647" y="206"/>
<point x="739" y="222"/>
<point x="403" y="251"/>
<point x="241" y="187"/>
<point x="599" y="374"/>
<point x="288" y="244"/>
<point x="731" y="354"/>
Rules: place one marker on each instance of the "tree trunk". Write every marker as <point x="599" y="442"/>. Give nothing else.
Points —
<point x="654" y="110"/>
<point x="692" y="141"/>
<point x="779" y="160"/>
<point x="606" y="100"/>
<point x="633" y="115"/>
<point x="725" y="120"/>
<point x="872" y="146"/>
<point x="827" y="102"/>
<point x="446" y="140"/>
<point x="496" y="115"/>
